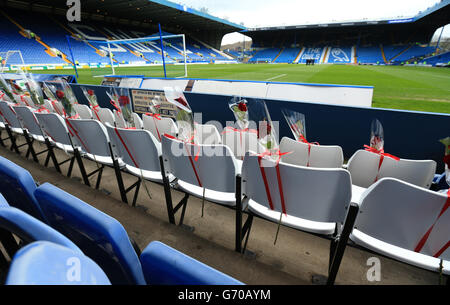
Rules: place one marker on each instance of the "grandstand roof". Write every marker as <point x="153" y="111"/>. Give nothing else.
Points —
<point x="419" y="28"/>
<point x="173" y="17"/>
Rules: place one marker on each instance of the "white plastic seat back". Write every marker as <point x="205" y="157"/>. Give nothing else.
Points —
<point x="314" y="194"/>
<point x="159" y="126"/>
<point x="84" y="111"/>
<point x="136" y="147"/>
<point x="106" y="116"/>
<point x="23" y="100"/>
<point x="400" y="213"/>
<point x="29" y="120"/>
<point x="207" y="134"/>
<point x="9" y="115"/>
<point x="54" y="126"/>
<point x="323" y="156"/>
<point x="91" y="135"/>
<point x="137" y="121"/>
<point x="241" y="142"/>
<point x="215" y="168"/>
<point x="363" y="167"/>
<point x="118" y="118"/>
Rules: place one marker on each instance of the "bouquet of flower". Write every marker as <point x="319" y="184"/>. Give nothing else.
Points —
<point x="184" y="118"/>
<point x="35" y="92"/>
<point x="377" y="136"/>
<point x="239" y="108"/>
<point x="446" y="142"/>
<point x="92" y="99"/>
<point x="48" y="90"/>
<point x="6" y="88"/>
<point x="121" y="101"/>
<point x="258" y="112"/>
<point x="62" y="94"/>
<point x="296" y="122"/>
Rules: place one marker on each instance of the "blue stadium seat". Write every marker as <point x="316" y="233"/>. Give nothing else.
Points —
<point x="17" y="186"/>
<point x="163" y="265"/>
<point x="98" y="235"/>
<point x="3" y="202"/>
<point x="29" y="229"/>
<point x="46" y="263"/>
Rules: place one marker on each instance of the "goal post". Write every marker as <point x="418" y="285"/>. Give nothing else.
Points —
<point x="11" y="60"/>
<point x="148" y="56"/>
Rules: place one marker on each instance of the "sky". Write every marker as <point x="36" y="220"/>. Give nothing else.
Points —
<point x="261" y="13"/>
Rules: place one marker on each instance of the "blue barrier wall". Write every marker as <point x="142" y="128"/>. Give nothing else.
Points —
<point x="408" y="134"/>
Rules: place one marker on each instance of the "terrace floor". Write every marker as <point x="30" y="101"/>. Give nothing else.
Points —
<point x="295" y="259"/>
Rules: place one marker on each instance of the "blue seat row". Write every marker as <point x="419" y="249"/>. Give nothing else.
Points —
<point x="69" y="222"/>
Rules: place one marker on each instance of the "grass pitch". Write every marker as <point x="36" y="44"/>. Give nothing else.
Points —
<point x="397" y="87"/>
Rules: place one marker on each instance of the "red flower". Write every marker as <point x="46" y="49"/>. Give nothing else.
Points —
<point x="124" y="100"/>
<point x="447" y="160"/>
<point x="17" y="87"/>
<point x="90" y="92"/>
<point x="59" y="94"/>
<point x="182" y="101"/>
<point x="264" y="129"/>
<point x="242" y="107"/>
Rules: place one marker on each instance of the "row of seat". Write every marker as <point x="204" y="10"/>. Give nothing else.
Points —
<point x="322" y="201"/>
<point x="69" y="228"/>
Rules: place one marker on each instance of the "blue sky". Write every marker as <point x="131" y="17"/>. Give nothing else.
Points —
<point x="260" y="13"/>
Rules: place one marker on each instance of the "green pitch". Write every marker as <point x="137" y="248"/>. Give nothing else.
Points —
<point x="397" y="87"/>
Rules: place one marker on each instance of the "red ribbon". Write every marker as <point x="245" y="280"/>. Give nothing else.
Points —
<point x="76" y="132"/>
<point x="189" y="155"/>
<point x="96" y="109"/>
<point x="382" y="155"/>
<point x="155" y="116"/>
<point x="279" y="181"/>
<point x="22" y="98"/>
<point x="447" y="160"/>
<point x="303" y="139"/>
<point x="126" y="147"/>
<point x="424" y="239"/>
<point x="42" y="109"/>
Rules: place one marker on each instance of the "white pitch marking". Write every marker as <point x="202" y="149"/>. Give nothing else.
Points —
<point x="278" y="76"/>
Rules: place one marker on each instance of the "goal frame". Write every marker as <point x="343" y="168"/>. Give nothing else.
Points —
<point x="8" y="55"/>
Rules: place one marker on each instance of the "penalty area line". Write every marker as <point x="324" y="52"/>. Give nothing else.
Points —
<point x="275" y="77"/>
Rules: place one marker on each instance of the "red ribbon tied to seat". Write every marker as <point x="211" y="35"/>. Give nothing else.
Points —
<point x="155" y="116"/>
<point x="96" y="109"/>
<point x="424" y="238"/>
<point x="303" y="139"/>
<point x="189" y="155"/>
<point x="279" y="181"/>
<point x="382" y="155"/>
<point x="229" y="129"/>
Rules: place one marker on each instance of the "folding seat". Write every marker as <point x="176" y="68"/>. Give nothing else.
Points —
<point x="48" y="105"/>
<point x="13" y="127"/>
<point x="140" y="152"/>
<point x="365" y="169"/>
<point x="163" y="265"/>
<point x="304" y="154"/>
<point x="159" y="125"/>
<point x="106" y="116"/>
<point x="17" y="186"/>
<point x="31" y="127"/>
<point x="46" y="263"/>
<point x="100" y="237"/>
<point x="93" y="140"/>
<point x="241" y="141"/>
<point x="84" y="111"/>
<point x="207" y="134"/>
<point x="137" y="121"/>
<point x="407" y="223"/>
<point x="54" y="126"/>
<point x="196" y="168"/>
<point x="313" y="200"/>
<point x="119" y="120"/>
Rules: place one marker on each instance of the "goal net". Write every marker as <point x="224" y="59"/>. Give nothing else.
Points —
<point x="11" y="60"/>
<point x="136" y="56"/>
